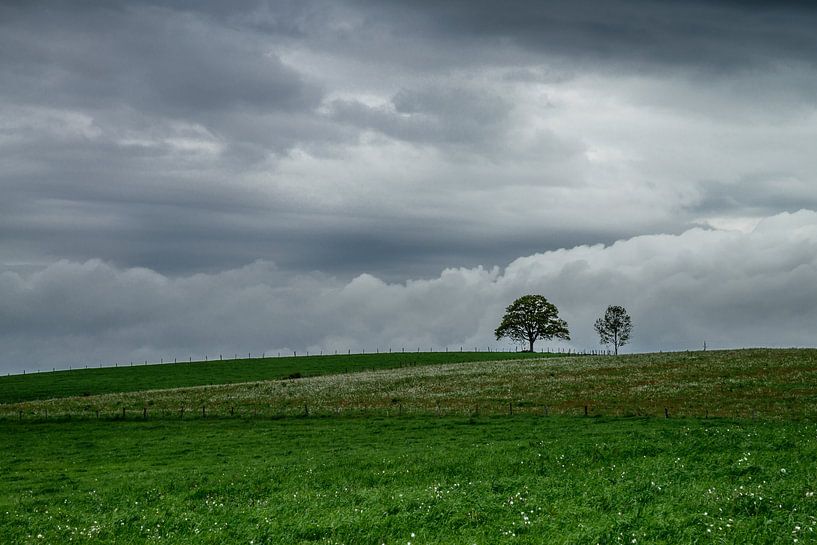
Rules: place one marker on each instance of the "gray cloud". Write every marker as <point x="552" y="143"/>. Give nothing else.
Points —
<point x="160" y="60"/>
<point x="394" y="139"/>
<point x="190" y="136"/>
<point x="433" y="116"/>
<point x="712" y="36"/>
<point x="680" y="289"/>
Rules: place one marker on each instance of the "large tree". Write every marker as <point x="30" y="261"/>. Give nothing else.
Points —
<point x="614" y="327"/>
<point x="532" y="317"/>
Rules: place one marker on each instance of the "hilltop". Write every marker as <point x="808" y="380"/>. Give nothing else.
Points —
<point x="767" y="383"/>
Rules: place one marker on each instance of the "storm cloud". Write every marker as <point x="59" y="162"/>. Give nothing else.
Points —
<point x="726" y="288"/>
<point x="355" y="145"/>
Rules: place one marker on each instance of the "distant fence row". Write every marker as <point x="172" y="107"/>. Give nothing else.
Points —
<point x="295" y="354"/>
<point x="393" y="410"/>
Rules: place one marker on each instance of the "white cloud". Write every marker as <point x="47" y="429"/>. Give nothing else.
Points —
<point x="728" y="288"/>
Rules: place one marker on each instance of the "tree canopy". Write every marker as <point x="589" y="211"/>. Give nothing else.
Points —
<point x="614" y="327"/>
<point x="532" y="317"/>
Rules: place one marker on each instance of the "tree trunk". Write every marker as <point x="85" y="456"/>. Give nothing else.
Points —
<point x="531" y="344"/>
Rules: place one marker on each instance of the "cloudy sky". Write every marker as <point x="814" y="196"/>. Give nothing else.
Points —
<point x="188" y="179"/>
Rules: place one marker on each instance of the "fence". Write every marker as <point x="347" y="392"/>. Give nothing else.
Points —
<point x="391" y="409"/>
<point x="295" y="354"/>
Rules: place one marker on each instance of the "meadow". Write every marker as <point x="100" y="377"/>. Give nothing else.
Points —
<point x="418" y="480"/>
<point x="127" y="377"/>
<point x="440" y="452"/>
<point x="757" y="383"/>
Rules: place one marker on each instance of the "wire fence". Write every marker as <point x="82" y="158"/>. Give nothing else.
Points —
<point x="393" y="409"/>
<point x="235" y="356"/>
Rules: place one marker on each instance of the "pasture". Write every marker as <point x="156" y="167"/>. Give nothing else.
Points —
<point x="446" y="452"/>
<point x="417" y="480"/>
<point x="769" y="384"/>
<point x="126" y="377"/>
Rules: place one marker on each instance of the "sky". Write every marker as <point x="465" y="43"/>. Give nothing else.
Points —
<point x="187" y="179"/>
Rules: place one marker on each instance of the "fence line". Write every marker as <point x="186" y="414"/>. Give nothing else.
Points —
<point x="397" y="408"/>
<point x="295" y="354"/>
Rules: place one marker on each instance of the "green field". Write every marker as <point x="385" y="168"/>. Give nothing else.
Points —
<point x="412" y="479"/>
<point x="132" y="378"/>
<point x="441" y="451"/>
<point x="779" y="384"/>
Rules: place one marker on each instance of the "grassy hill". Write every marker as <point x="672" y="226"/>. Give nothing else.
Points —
<point x="133" y="378"/>
<point x="740" y="383"/>
<point x="423" y="453"/>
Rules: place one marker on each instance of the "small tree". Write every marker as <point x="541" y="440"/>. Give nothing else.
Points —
<point x="532" y="317"/>
<point x="614" y="327"/>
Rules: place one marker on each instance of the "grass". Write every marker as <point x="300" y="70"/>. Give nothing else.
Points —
<point x="416" y="451"/>
<point x="743" y="383"/>
<point x="526" y="480"/>
<point x="132" y="378"/>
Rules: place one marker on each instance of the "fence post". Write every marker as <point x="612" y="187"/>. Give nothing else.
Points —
<point x="510" y="408"/>
<point x="585" y="410"/>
